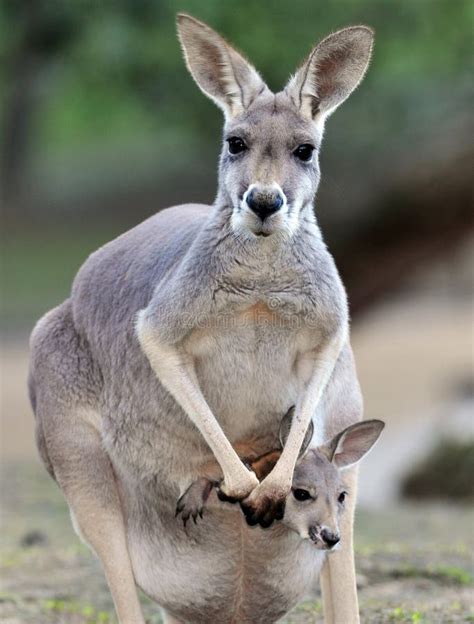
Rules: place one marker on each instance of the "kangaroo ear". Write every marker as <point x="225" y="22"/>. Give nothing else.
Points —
<point x="219" y="70"/>
<point x="332" y="71"/>
<point x="351" y="445"/>
<point x="285" y="427"/>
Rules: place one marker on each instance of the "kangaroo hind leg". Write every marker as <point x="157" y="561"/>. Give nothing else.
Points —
<point x="64" y="385"/>
<point x="169" y="619"/>
<point x="86" y="477"/>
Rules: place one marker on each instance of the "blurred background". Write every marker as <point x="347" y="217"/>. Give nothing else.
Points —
<point x="101" y="126"/>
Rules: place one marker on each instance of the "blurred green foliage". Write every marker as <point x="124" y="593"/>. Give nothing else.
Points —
<point x="100" y="120"/>
<point x="115" y="69"/>
<point x="36" y="271"/>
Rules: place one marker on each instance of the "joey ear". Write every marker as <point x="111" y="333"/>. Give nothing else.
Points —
<point x="219" y="70"/>
<point x="285" y="426"/>
<point x="332" y="71"/>
<point x="351" y="445"/>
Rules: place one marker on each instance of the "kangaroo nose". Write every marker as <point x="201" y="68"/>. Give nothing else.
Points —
<point x="330" y="538"/>
<point x="264" y="203"/>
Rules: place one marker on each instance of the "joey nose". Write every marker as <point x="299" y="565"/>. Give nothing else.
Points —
<point x="264" y="203"/>
<point x="330" y="538"/>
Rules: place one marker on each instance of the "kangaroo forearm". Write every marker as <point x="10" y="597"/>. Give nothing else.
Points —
<point x="175" y="369"/>
<point x="307" y="407"/>
<point x="251" y="453"/>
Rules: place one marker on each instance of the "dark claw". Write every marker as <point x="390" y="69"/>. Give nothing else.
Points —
<point x="251" y="521"/>
<point x="180" y="509"/>
<point x="280" y="511"/>
<point x="268" y="512"/>
<point x="226" y="499"/>
<point x="250" y="515"/>
<point x="188" y="514"/>
<point x="265" y="524"/>
<point x="192" y="502"/>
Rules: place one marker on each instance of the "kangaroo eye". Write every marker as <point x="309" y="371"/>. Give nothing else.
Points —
<point x="304" y="152"/>
<point x="236" y="145"/>
<point x="301" y="495"/>
<point x="342" y="497"/>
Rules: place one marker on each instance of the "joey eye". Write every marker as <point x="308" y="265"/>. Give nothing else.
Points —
<point x="301" y="495"/>
<point x="342" y="497"/>
<point x="236" y="145"/>
<point x="304" y="152"/>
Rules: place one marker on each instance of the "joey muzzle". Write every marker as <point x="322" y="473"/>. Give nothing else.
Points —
<point x="323" y="537"/>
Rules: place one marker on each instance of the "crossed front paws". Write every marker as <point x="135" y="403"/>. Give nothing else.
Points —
<point x="264" y="505"/>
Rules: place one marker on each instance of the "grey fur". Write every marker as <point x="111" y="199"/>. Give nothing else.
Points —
<point x="319" y="472"/>
<point x="115" y="438"/>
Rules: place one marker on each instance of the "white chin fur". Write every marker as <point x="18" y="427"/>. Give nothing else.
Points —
<point x="244" y="221"/>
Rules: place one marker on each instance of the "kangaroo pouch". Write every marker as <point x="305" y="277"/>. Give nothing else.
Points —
<point x="222" y="570"/>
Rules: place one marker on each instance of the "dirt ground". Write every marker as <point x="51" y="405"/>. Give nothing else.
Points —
<point x="414" y="564"/>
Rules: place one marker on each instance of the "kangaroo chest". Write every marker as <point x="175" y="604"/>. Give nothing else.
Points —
<point x="252" y="363"/>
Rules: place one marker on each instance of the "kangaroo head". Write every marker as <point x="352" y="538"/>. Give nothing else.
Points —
<point x="318" y="495"/>
<point x="269" y="170"/>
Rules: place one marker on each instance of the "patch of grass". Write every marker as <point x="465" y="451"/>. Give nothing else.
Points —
<point x="13" y="558"/>
<point x="314" y="607"/>
<point x="10" y="597"/>
<point x="37" y="268"/>
<point x="402" y="615"/>
<point x="455" y="574"/>
<point x="87" y="611"/>
<point x="444" y="574"/>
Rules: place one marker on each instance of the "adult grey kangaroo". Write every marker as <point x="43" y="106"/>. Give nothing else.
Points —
<point x="198" y="328"/>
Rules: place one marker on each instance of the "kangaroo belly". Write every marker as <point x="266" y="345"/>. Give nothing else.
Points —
<point x="221" y="570"/>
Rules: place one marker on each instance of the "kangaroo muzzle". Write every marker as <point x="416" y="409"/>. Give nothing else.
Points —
<point x="323" y="538"/>
<point x="264" y="201"/>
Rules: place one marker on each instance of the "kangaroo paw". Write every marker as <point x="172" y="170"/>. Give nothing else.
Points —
<point x="191" y="504"/>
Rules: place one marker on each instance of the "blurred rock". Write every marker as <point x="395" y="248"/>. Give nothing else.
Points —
<point x="446" y="473"/>
<point x="34" y="538"/>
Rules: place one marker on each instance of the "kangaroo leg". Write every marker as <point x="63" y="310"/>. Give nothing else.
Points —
<point x="85" y="475"/>
<point x="338" y="581"/>
<point x="325" y="583"/>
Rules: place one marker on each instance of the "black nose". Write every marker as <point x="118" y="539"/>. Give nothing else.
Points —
<point x="330" y="538"/>
<point x="264" y="203"/>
